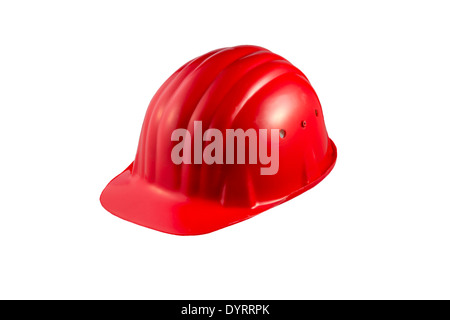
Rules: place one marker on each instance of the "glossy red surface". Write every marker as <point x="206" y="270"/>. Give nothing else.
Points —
<point x="238" y="87"/>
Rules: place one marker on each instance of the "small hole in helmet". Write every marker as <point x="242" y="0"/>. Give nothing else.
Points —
<point x="303" y="123"/>
<point x="316" y="112"/>
<point x="282" y="133"/>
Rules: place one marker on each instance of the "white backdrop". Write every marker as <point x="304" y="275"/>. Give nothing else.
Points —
<point x="75" y="82"/>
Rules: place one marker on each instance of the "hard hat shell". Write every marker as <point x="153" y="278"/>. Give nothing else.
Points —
<point x="238" y="87"/>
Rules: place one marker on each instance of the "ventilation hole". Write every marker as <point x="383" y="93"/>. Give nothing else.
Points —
<point x="317" y="112"/>
<point x="282" y="133"/>
<point x="303" y="123"/>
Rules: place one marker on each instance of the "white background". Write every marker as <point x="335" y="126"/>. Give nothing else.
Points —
<point x="75" y="81"/>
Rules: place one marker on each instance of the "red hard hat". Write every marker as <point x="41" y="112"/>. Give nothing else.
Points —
<point x="243" y="87"/>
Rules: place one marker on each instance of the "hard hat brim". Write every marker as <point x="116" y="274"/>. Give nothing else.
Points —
<point x="134" y="199"/>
